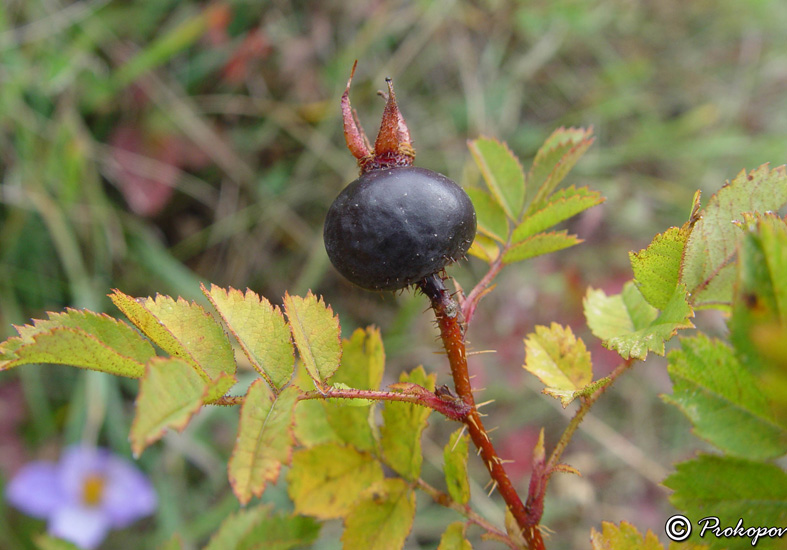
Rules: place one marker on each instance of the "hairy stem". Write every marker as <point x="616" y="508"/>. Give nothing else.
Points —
<point x="450" y="320"/>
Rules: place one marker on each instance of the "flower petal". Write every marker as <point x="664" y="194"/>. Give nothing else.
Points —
<point x="85" y="527"/>
<point x="36" y="490"/>
<point x="128" y="494"/>
<point x="78" y="463"/>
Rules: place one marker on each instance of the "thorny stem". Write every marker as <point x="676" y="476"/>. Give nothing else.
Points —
<point x="472" y="516"/>
<point x="450" y="321"/>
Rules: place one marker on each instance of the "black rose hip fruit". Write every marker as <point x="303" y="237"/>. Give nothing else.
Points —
<point x="393" y="227"/>
<point x="396" y="224"/>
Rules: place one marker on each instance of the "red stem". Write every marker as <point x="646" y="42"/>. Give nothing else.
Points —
<point x="449" y="319"/>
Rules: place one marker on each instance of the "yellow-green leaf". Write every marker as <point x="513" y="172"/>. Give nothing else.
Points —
<point x="502" y="172"/>
<point x="561" y="206"/>
<point x="556" y="157"/>
<point x="484" y="248"/>
<point x="382" y="518"/>
<point x="454" y="538"/>
<point x="264" y="440"/>
<point x="543" y="243"/>
<point x="326" y="481"/>
<point x="235" y="527"/>
<point x="560" y="360"/>
<point x="455" y="467"/>
<point x="403" y="424"/>
<point x="625" y="537"/>
<point x="316" y="332"/>
<point x="169" y="395"/>
<point x="260" y="329"/>
<point x="363" y="360"/>
<point x="657" y="267"/>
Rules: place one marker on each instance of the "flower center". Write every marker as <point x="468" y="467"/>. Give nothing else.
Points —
<point x="93" y="490"/>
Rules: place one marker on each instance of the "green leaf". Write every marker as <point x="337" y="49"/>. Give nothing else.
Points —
<point x="383" y="517"/>
<point x="316" y="332"/>
<point x="236" y="526"/>
<point x="403" y="424"/>
<point x="281" y="532"/>
<point x="260" y="329"/>
<point x="455" y="468"/>
<point x="326" y="481"/>
<point x="560" y="360"/>
<point x="556" y="157"/>
<point x="183" y="329"/>
<point x="169" y="395"/>
<point x="561" y="206"/>
<point x="490" y="216"/>
<point x="264" y="440"/>
<point x="722" y="400"/>
<point x="543" y="243"/>
<point x="657" y="267"/>
<point x="502" y="172"/>
<point x="46" y="542"/>
<point x="627" y="324"/>
<point x="708" y="267"/>
<point x="730" y="489"/>
<point x="363" y="360"/>
<point x="81" y="339"/>
<point x="454" y="538"/>
<point x="625" y="537"/>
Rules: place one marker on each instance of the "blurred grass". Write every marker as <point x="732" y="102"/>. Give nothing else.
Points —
<point x="234" y="106"/>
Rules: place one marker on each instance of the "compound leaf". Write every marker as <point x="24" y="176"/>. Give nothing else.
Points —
<point x="455" y="468"/>
<point x="264" y="441"/>
<point x="561" y="206"/>
<point x="326" y="481"/>
<point x="260" y="329"/>
<point x="629" y="325"/>
<point x="730" y="489"/>
<point x="382" y="518"/>
<point x="316" y="332"/>
<point x="403" y="424"/>
<point x="722" y="400"/>
<point x="708" y="269"/>
<point x="543" y="243"/>
<point x="170" y="393"/>
<point x="502" y="173"/>
<point x="625" y="537"/>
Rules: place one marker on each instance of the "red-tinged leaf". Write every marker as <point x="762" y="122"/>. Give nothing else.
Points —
<point x="326" y="481"/>
<point x="382" y="518"/>
<point x="625" y="537"/>
<point x="316" y="332"/>
<point x="260" y="329"/>
<point x="556" y="157"/>
<point x="264" y="440"/>
<point x="169" y="395"/>
<point x="540" y="244"/>
<point x="502" y="172"/>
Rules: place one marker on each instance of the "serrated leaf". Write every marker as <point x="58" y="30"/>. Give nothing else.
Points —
<point x="502" y="173"/>
<point x="82" y="339"/>
<point x="184" y="329"/>
<point x="561" y="206"/>
<point x="455" y="467"/>
<point x="260" y="329"/>
<point x="625" y="537"/>
<point x="326" y="481"/>
<point x="484" y="248"/>
<point x="566" y="396"/>
<point x="657" y="267"/>
<point x="722" y="400"/>
<point x="629" y="325"/>
<point x="730" y="489"/>
<point x="281" y="532"/>
<point x="708" y="269"/>
<point x="453" y="538"/>
<point x="403" y="424"/>
<point x="556" y="157"/>
<point x="490" y="216"/>
<point x="169" y="395"/>
<point x="540" y="244"/>
<point x="316" y="332"/>
<point x="382" y="518"/>
<point x="235" y="527"/>
<point x="264" y="440"/>
<point x="363" y="360"/>
<point x="559" y="359"/>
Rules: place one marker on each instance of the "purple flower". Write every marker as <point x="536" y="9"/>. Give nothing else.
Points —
<point x="83" y="496"/>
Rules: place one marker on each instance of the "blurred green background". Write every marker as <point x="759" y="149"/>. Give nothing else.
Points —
<point x="149" y="145"/>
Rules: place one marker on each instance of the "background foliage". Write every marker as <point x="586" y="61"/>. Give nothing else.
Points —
<point x="148" y="145"/>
